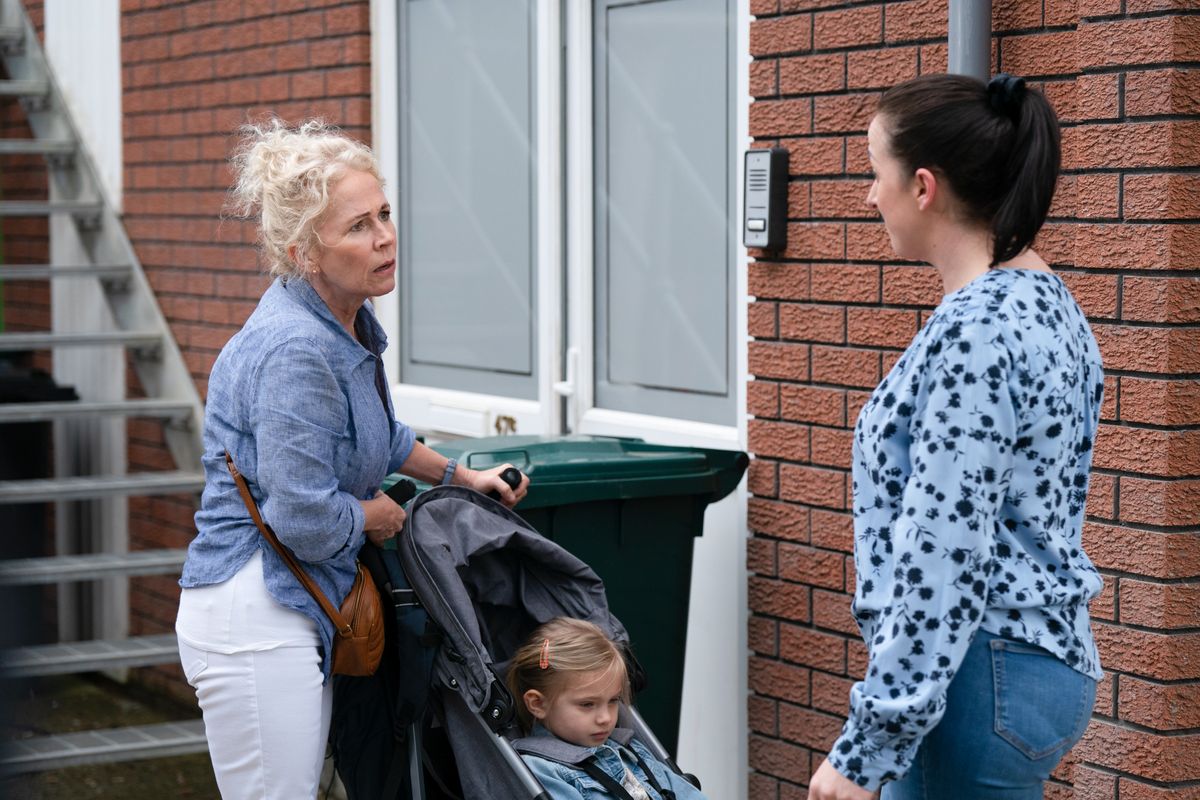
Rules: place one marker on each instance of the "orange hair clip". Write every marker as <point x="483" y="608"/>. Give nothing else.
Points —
<point x="544" y="660"/>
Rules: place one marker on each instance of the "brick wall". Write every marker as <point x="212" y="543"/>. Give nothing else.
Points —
<point x="193" y="72"/>
<point x="26" y="304"/>
<point x="833" y="312"/>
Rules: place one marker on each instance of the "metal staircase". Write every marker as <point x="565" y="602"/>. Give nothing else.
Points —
<point x="79" y="211"/>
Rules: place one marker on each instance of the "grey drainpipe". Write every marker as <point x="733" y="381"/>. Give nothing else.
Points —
<point x="971" y="38"/>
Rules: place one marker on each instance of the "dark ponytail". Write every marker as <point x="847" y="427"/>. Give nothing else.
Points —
<point x="997" y="145"/>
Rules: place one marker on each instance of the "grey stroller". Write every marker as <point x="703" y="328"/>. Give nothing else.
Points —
<point x="470" y="580"/>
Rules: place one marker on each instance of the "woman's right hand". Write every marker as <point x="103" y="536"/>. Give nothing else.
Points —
<point x="383" y="518"/>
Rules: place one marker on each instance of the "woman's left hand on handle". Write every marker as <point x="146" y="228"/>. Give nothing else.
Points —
<point x="488" y="480"/>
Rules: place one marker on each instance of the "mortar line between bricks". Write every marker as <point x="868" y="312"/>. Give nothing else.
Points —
<point x="1149" y="426"/>
<point x="1124" y="473"/>
<point x="1156" y="376"/>
<point x="876" y="47"/>
<point x="810" y="546"/>
<point x="1145" y="527"/>
<point x="1167" y="168"/>
<point x="1174" y="12"/>
<point x="1172" y="633"/>
<point x="1192" y="580"/>
<point x="1123" y="119"/>
<point x="1163" y="682"/>
<point x="1124" y="221"/>
<point x="1130" y="726"/>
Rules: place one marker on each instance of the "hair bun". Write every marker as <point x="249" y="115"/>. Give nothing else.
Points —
<point x="1005" y="93"/>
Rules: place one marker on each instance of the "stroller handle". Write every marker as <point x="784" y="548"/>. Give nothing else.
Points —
<point x="512" y="476"/>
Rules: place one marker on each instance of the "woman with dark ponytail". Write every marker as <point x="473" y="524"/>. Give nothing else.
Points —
<point x="971" y="464"/>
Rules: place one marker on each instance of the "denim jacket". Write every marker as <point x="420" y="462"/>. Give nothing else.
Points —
<point x="296" y="402"/>
<point x="569" y="782"/>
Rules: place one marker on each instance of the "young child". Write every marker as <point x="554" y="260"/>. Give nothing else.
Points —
<point x="569" y="680"/>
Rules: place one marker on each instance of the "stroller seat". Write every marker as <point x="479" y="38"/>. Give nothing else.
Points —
<point x="486" y="580"/>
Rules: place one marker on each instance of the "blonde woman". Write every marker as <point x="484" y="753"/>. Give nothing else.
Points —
<point x="299" y="399"/>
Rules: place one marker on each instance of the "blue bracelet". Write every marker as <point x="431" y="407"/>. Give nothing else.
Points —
<point x="451" y="465"/>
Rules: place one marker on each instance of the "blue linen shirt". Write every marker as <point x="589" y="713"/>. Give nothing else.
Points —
<point x="295" y="400"/>
<point x="970" y="463"/>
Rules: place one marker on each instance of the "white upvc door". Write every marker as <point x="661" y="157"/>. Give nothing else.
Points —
<point x="632" y="294"/>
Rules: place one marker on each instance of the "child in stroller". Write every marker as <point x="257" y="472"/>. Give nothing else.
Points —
<point x="569" y="681"/>
<point x="470" y="582"/>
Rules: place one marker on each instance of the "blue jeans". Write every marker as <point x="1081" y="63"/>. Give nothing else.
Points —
<point x="1012" y="712"/>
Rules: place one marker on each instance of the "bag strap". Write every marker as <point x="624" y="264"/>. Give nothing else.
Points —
<point x="339" y="622"/>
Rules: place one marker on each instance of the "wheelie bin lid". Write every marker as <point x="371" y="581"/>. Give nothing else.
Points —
<point x="578" y="468"/>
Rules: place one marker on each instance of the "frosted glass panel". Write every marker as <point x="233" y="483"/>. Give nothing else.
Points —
<point x="467" y="200"/>
<point x="663" y="207"/>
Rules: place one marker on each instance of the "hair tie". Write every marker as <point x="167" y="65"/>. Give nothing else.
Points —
<point x="544" y="660"/>
<point x="1005" y="93"/>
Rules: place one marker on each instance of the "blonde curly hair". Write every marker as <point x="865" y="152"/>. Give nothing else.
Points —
<point x="284" y="175"/>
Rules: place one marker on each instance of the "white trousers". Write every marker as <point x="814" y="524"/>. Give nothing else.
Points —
<point x="266" y="713"/>
<point x="266" y="716"/>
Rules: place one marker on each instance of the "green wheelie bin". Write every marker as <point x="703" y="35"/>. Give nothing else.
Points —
<point x="632" y="511"/>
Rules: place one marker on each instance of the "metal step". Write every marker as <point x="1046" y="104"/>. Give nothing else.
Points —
<point x="44" y="147"/>
<point x="11" y="39"/>
<point x="42" y="208"/>
<point x="64" y="569"/>
<point x="32" y="412"/>
<point x="10" y="88"/>
<point x="65" y="658"/>
<point x="26" y="272"/>
<point x="44" y="340"/>
<point x="106" y="746"/>
<point x="42" y="490"/>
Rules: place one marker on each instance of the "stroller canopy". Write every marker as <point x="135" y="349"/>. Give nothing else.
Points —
<point x="487" y="579"/>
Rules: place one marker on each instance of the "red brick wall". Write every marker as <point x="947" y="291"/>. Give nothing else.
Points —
<point x="832" y="314"/>
<point x="26" y="303"/>
<point x="193" y="72"/>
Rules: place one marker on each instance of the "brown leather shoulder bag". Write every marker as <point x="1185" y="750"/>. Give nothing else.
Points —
<point x="358" y="643"/>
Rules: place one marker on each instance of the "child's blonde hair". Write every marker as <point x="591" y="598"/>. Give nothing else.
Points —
<point x="559" y="650"/>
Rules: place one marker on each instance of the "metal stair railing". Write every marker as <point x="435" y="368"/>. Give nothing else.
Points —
<point x="137" y="324"/>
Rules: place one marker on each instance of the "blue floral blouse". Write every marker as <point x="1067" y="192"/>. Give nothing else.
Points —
<point x="971" y="464"/>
